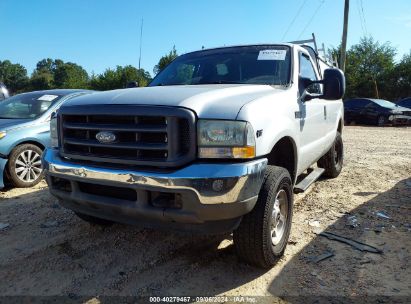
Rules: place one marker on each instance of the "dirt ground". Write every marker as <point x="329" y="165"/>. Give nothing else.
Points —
<point x="46" y="250"/>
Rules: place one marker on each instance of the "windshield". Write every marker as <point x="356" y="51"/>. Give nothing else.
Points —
<point x="384" y="103"/>
<point x="249" y="65"/>
<point x="27" y="106"/>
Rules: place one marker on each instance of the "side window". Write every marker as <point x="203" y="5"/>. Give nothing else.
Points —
<point x="371" y="105"/>
<point x="362" y="103"/>
<point x="307" y="71"/>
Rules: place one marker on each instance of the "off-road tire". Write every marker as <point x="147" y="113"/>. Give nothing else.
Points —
<point x="14" y="160"/>
<point x="95" y="221"/>
<point x="333" y="160"/>
<point x="253" y="238"/>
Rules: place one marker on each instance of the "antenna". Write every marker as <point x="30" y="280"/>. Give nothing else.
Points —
<point x="141" y="42"/>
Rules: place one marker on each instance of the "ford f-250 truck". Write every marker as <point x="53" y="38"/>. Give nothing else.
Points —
<point x="218" y="142"/>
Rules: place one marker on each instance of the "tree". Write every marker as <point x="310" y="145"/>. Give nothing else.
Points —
<point x="50" y="74"/>
<point x="401" y="78"/>
<point x="119" y="78"/>
<point x="368" y="67"/>
<point x="165" y="60"/>
<point x="13" y="75"/>
<point x="70" y="76"/>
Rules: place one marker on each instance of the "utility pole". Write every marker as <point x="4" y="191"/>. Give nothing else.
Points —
<point x="344" y="36"/>
<point x="141" y="42"/>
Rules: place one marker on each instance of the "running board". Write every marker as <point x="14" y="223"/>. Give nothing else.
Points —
<point x="308" y="180"/>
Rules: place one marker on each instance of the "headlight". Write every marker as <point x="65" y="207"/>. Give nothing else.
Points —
<point x="396" y="112"/>
<point x="225" y="139"/>
<point x="2" y="134"/>
<point x="54" y="140"/>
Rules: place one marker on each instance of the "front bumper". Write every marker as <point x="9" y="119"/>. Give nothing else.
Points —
<point x="213" y="195"/>
<point x="400" y="119"/>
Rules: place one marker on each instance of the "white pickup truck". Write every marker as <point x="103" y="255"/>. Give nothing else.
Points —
<point x="218" y="142"/>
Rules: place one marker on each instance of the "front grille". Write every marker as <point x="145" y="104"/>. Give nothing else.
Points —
<point x="148" y="136"/>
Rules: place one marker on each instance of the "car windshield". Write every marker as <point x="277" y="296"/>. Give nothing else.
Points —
<point x="247" y="65"/>
<point x="384" y="103"/>
<point x="27" y="106"/>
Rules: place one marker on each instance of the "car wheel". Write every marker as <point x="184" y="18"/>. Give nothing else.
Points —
<point x="24" y="166"/>
<point x="94" y="220"/>
<point x="332" y="161"/>
<point x="381" y="121"/>
<point x="263" y="233"/>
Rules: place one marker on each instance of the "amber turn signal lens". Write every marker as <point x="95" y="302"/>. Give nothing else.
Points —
<point x="244" y="152"/>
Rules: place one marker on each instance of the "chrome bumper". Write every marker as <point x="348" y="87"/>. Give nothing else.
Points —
<point x="211" y="183"/>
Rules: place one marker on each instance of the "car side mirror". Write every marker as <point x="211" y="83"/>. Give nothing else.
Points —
<point x="334" y="84"/>
<point x="303" y="84"/>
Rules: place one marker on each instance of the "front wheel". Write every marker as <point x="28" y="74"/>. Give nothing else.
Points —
<point x="381" y="121"/>
<point x="263" y="233"/>
<point x="24" y="166"/>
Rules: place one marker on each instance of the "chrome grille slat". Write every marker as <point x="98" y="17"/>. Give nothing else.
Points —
<point x="113" y="127"/>
<point x="95" y="143"/>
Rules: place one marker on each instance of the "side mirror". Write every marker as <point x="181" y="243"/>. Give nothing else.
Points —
<point x="303" y="84"/>
<point x="334" y="84"/>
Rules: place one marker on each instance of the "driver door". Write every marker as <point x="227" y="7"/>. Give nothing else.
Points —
<point x="312" y="114"/>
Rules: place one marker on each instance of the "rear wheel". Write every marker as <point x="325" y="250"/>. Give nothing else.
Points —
<point x="332" y="161"/>
<point x="24" y="166"/>
<point x="263" y="233"/>
<point x="381" y="121"/>
<point x="94" y="220"/>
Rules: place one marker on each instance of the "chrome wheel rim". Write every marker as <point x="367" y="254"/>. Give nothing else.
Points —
<point x="279" y="217"/>
<point x="28" y="166"/>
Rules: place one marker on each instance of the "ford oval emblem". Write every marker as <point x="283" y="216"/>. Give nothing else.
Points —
<point x="106" y="137"/>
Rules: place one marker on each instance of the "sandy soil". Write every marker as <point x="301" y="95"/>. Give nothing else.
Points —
<point x="47" y="250"/>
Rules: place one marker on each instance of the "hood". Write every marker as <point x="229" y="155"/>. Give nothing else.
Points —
<point x="399" y="108"/>
<point x="207" y="101"/>
<point x="6" y="124"/>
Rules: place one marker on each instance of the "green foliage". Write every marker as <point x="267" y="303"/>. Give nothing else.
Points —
<point x="368" y="68"/>
<point x="165" y="60"/>
<point x="401" y="78"/>
<point x="119" y="78"/>
<point x="70" y="76"/>
<point x="14" y="75"/>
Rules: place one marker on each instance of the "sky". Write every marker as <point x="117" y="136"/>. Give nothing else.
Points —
<point x="100" y="34"/>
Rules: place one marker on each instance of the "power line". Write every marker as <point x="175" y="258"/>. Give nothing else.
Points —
<point x="361" y="19"/>
<point x="363" y="16"/>
<point x="311" y="19"/>
<point x="295" y="18"/>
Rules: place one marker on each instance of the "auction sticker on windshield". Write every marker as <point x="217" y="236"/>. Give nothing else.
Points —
<point x="47" y="97"/>
<point x="272" y="55"/>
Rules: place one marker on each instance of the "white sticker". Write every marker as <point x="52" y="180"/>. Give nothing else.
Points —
<point x="47" y="97"/>
<point x="272" y="55"/>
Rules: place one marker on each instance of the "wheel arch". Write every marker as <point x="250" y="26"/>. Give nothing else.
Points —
<point x="28" y="141"/>
<point x="284" y="154"/>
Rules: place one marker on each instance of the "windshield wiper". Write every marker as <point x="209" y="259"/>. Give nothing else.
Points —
<point x="220" y="82"/>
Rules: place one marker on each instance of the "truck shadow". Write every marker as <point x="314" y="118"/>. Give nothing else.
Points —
<point x="383" y="222"/>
